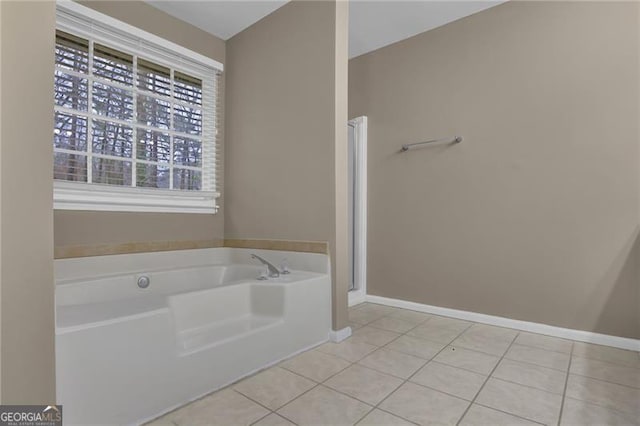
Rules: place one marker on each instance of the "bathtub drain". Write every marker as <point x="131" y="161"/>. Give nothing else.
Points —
<point x="144" y="281"/>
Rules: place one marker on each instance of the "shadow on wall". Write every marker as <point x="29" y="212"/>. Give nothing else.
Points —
<point x="613" y="303"/>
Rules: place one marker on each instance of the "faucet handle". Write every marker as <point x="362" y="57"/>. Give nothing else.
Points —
<point x="284" y="267"/>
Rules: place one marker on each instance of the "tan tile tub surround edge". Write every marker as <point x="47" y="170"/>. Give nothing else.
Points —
<point x="284" y="245"/>
<point x="67" y="252"/>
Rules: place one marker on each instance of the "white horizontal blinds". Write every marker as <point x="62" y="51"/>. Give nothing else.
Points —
<point x="187" y="119"/>
<point x="112" y="134"/>
<point x="71" y="91"/>
<point x="153" y="149"/>
<point x="211" y="107"/>
<point x="129" y="113"/>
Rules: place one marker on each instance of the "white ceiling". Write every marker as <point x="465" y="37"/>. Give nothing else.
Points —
<point x="372" y="24"/>
<point x="223" y="19"/>
<point x="375" y="24"/>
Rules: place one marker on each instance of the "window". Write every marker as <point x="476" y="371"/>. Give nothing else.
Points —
<point x="134" y="119"/>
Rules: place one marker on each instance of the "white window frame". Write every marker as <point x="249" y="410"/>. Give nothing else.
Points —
<point x="88" y="23"/>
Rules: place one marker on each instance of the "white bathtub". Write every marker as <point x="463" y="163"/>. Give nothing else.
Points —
<point x="125" y="354"/>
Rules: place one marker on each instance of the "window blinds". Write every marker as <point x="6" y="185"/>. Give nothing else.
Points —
<point x="131" y="109"/>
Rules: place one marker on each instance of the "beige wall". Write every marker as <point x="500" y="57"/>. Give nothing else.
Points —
<point x="94" y="228"/>
<point x="285" y="118"/>
<point x="27" y="368"/>
<point x="535" y="215"/>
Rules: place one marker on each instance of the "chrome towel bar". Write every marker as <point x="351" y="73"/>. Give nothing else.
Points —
<point x="455" y="139"/>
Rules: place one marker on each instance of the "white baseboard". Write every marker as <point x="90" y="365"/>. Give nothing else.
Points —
<point x="533" y="327"/>
<point x="356" y="297"/>
<point x="338" y="336"/>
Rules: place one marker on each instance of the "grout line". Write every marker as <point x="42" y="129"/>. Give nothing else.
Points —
<point x="423" y="365"/>
<point x="510" y="414"/>
<point x="548" y="350"/>
<point x="608" y="362"/>
<point x="432" y="359"/>
<point x="538" y="365"/>
<point x="399" y="319"/>
<point x="394" y="414"/>
<point x="438" y="353"/>
<point x="601" y="405"/>
<point x="404" y="381"/>
<point x="250" y="399"/>
<point x="460" y="368"/>
<point x="487" y="379"/>
<point x="440" y="391"/>
<point x="334" y="374"/>
<point x="486" y="353"/>
<point x="604" y="381"/>
<point x="500" y="379"/>
<point x="268" y="414"/>
<point x="566" y="383"/>
<point x="303" y="393"/>
<point x="317" y="384"/>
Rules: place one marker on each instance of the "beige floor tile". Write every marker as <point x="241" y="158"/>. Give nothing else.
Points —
<point x="609" y="395"/>
<point x="538" y="377"/>
<point x="439" y="329"/>
<point x="491" y="332"/>
<point x="544" y="342"/>
<point x="363" y="317"/>
<point x="363" y="383"/>
<point x="434" y="333"/>
<point x="606" y="371"/>
<point x="454" y="381"/>
<point x="484" y="416"/>
<point x="315" y="365"/>
<point x="349" y="349"/>
<point x="223" y="408"/>
<point x="541" y="357"/>
<point x="273" y="419"/>
<point x="392" y="362"/>
<point x="323" y="406"/>
<point x="606" y="353"/>
<point x="469" y="360"/>
<point x="523" y="401"/>
<point x="374" y="336"/>
<point x="358" y="306"/>
<point x="424" y="406"/>
<point x="416" y="347"/>
<point x="375" y="308"/>
<point x="411" y="316"/>
<point x="580" y="413"/>
<point x="354" y="325"/>
<point x="393" y="324"/>
<point x="447" y="322"/>
<point x="274" y="387"/>
<point x="380" y="418"/>
<point x="485" y="344"/>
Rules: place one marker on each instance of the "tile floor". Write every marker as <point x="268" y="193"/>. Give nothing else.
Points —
<point x="403" y="367"/>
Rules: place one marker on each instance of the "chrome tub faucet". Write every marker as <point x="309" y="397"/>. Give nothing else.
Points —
<point x="273" y="271"/>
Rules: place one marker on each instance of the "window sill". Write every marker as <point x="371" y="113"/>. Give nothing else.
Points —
<point x="82" y="196"/>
